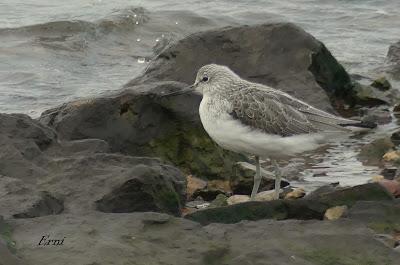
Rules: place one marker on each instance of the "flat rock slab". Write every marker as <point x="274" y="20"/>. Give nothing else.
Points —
<point x="145" y="238"/>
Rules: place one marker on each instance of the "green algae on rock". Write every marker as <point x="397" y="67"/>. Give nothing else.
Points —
<point x="140" y="121"/>
<point x="6" y="235"/>
<point x="310" y="207"/>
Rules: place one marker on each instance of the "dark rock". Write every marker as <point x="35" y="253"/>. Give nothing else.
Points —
<point x="77" y="173"/>
<point x="139" y="121"/>
<point x="381" y="216"/>
<point x="156" y="219"/>
<point x="79" y="147"/>
<point x="220" y="200"/>
<point x="349" y="196"/>
<point x="370" y="96"/>
<point x="22" y="141"/>
<point x="311" y="207"/>
<point x="253" y="210"/>
<point x="393" y="58"/>
<point x="394" y="53"/>
<point x="376" y="115"/>
<point x="20" y="126"/>
<point x="389" y="173"/>
<point x="46" y="205"/>
<point x="372" y="153"/>
<point x="395" y="137"/>
<point x="148" y="189"/>
<point x="322" y="190"/>
<point x="382" y="84"/>
<point x="277" y="55"/>
<point x="208" y="194"/>
<point x="396" y="108"/>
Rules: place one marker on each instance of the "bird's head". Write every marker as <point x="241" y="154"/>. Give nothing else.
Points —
<point x="213" y="77"/>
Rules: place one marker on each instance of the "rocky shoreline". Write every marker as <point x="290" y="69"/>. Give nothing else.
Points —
<point x="124" y="177"/>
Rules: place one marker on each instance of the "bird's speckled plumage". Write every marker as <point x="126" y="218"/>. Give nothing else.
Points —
<point x="264" y="108"/>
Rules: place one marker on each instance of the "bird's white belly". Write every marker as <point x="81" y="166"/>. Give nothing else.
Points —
<point x="231" y="134"/>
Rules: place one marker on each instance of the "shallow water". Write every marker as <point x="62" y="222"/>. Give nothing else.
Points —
<point x="56" y="51"/>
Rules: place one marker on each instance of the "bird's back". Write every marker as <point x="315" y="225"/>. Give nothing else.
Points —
<point x="276" y="112"/>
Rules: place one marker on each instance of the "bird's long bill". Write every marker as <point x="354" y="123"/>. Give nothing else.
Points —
<point x="182" y="91"/>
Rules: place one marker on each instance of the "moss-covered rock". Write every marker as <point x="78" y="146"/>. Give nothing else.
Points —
<point x="148" y="189"/>
<point x="220" y="201"/>
<point x="311" y="207"/>
<point x="382" y="217"/>
<point x="6" y="235"/>
<point x="381" y="83"/>
<point x="326" y="256"/>
<point x="372" y="153"/>
<point x="141" y="121"/>
<point x="254" y="210"/>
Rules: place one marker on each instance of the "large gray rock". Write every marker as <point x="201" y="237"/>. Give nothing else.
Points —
<point x="150" y="238"/>
<point x="40" y="176"/>
<point x="139" y="121"/>
<point x="279" y="54"/>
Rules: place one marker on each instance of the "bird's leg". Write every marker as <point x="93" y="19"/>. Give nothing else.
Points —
<point x="257" y="179"/>
<point x="277" y="179"/>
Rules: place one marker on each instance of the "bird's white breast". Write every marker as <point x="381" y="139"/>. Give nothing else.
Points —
<point x="231" y="134"/>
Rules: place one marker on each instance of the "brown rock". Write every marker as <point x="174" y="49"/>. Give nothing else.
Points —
<point x="194" y="184"/>
<point x="392" y="186"/>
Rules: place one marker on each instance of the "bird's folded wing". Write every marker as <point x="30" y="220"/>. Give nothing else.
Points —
<point x="275" y="112"/>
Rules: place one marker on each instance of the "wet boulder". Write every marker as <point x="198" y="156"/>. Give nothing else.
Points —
<point x="281" y="55"/>
<point x="349" y="196"/>
<point x="141" y="121"/>
<point x="381" y="83"/>
<point x="158" y="189"/>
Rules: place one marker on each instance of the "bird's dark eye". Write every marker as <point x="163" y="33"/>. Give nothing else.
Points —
<point x="205" y="79"/>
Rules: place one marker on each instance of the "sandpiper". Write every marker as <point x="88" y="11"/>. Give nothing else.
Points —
<point x="256" y="119"/>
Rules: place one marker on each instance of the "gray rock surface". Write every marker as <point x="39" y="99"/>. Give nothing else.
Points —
<point x="39" y="176"/>
<point x="278" y="54"/>
<point x="151" y="238"/>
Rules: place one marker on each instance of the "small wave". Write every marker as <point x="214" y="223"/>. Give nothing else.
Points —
<point x="122" y="19"/>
